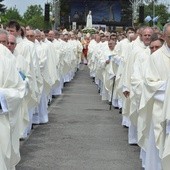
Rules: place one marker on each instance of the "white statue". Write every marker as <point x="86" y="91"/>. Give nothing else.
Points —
<point x="89" y="20"/>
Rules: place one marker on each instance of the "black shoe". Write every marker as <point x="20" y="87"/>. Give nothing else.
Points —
<point x="54" y="96"/>
<point x="49" y="103"/>
<point x="120" y="110"/>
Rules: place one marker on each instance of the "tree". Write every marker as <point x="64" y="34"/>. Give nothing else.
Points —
<point x="34" y="17"/>
<point x="159" y="10"/>
<point x="2" y="7"/>
<point x="12" y="14"/>
<point x="34" y="24"/>
<point x="32" y="11"/>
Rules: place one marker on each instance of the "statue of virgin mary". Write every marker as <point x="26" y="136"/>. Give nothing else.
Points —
<point x="89" y="20"/>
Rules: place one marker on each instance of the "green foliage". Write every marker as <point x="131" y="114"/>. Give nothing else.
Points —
<point x="2" y="7"/>
<point x="36" y="22"/>
<point x="34" y="17"/>
<point x="32" y="11"/>
<point x="12" y="14"/>
<point x="160" y="10"/>
<point x="89" y="30"/>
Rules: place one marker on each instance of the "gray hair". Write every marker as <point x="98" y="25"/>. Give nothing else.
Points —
<point x="37" y="31"/>
<point x="166" y="26"/>
<point x="2" y="31"/>
<point x="145" y="28"/>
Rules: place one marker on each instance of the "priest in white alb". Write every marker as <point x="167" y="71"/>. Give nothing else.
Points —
<point x="138" y="48"/>
<point x="12" y="91"/>
<point x="152" y="101"/>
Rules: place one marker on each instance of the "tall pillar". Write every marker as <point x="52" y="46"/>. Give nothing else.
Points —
<point x="57" y="13"/>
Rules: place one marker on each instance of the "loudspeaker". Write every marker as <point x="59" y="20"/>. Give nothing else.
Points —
<point x="141" y="14"/>
<point x="47" y="12"/>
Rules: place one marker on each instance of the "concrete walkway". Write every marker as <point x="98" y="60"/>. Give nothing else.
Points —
<point x="82" y="134"/>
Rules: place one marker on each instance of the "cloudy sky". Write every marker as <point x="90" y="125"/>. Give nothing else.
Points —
<point x="22" y="5"/>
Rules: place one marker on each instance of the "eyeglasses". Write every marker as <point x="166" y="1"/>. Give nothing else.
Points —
<point x="11" y="43"/>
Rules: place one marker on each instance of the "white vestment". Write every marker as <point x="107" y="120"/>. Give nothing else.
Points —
<point x="108" y="73"/>
<point x="23" y="50"/>
<point x="91" y="56"/>
<point x="166" y="112"/>
<point x="12" y="89"/>
<point x="26" y="49"/>
<point x="125" y="53"/>
<point x="136" y="51"/>
<point x="41" y="113"/>
<point x="151" y="103"/>
<point x="122" y="48"/>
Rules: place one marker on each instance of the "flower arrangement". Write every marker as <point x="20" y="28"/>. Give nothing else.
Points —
<point x="89" y="30"/>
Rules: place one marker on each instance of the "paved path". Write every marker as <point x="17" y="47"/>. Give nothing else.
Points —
<point x="82" y="134"/>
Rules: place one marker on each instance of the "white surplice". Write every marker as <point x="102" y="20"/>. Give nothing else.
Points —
<point x="151" y="100"/>
<point x="12" y="88"/>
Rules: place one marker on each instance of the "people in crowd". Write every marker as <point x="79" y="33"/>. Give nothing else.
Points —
<point x="130" y="69"/>
<point x="36" y="69"/>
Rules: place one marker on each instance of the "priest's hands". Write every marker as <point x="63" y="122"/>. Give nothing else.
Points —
<point x="126" y="94"/>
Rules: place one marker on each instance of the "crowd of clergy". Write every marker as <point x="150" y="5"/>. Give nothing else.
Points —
<point x="130" y="70"/>
<point x="132" y="75"/>
<point x="35" y="65"/>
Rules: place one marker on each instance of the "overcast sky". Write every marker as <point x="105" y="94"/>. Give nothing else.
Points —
<point x="22" y="5"/>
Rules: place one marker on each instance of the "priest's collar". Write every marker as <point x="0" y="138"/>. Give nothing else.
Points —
<point x="18" y="39"/>
<point x="113" y="52"/>
<point x="168" y="48"/>
<point x="111" y="49"/>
